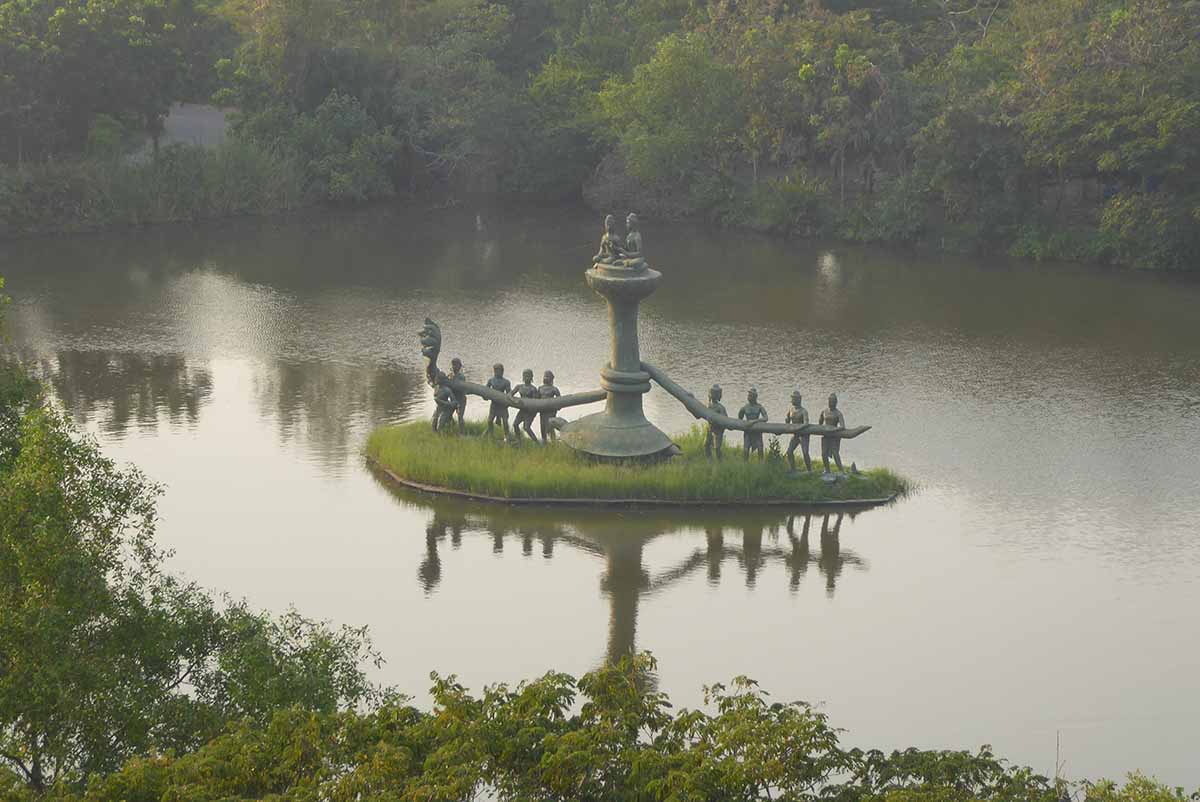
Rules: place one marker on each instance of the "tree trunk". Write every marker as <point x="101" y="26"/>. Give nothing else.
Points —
<point x="842" y="175"/>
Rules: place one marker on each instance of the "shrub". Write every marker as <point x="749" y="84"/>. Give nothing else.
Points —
<point x="1154" y="230"/>
<point x="185" y="182"/>
<point x="794" y="204"/>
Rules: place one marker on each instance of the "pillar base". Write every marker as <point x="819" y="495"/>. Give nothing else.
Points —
<point x="609" y="437"/>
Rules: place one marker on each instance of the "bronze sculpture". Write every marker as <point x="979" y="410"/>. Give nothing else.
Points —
<point x="831" y="445"/>
<point x="633" y="255"/>
<point x="524" y="418"/>
<point x="498" y="412"/>
<point x="443" y="397"/>
<point x="752" y="411"/>
<point x="622" y="432"/>
<point x="610" y="252"/>
<point x="460" y="398"/>
<point x="798" y="414"/>
<point x="714" y="434"/>
<point x="547" y="391"/>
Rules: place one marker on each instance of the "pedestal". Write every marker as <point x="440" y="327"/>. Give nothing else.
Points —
<point x="621" y="431"/>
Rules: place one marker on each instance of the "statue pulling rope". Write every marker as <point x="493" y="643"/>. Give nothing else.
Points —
<point x="619" y="274"/>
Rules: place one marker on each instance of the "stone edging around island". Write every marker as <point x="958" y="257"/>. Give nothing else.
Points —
<point x="627" y="502"/>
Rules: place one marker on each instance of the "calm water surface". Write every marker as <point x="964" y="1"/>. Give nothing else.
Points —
<point x="1045" y="579"/>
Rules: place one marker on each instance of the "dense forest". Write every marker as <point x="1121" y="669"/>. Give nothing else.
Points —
<point x="1050" y="128"/>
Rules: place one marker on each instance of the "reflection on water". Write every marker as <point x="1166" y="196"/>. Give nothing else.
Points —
<point x="1043" y="580"/>
<point x="733" y="547"/>
<point x="125" y="390"/>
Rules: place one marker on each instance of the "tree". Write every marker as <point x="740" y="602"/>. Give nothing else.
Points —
<point x="678" y="116"/>
<point x="103" y="655"/>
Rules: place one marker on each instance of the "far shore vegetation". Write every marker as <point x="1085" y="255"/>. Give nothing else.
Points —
<point x="122" y="682"/>
<point x="477" y="464"/>
<point x="1050" y="129"/>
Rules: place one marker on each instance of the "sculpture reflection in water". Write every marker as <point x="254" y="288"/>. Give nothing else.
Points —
<point x="737" y="545"/>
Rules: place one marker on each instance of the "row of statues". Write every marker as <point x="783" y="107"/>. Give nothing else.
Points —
<point x="620" y="252"/>
<point x="451" y="402"/>
<point x="752" y="441"/>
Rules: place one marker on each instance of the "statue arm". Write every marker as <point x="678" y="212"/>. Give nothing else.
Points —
<point x="698" y="410"/>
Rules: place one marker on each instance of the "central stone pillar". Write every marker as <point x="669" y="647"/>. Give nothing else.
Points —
<point x="621" y="431"/>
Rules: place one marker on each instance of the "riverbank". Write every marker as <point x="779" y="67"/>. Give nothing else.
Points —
<point x="183" y="183"/>
<point x="238" y="179"/>
<point x="488" y="468"/>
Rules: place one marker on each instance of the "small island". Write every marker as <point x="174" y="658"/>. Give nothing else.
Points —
<point x="617" y="456"/>
<point x="492" y="469"/>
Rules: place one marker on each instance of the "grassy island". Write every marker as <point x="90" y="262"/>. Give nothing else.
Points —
<point x="483" y="467"/>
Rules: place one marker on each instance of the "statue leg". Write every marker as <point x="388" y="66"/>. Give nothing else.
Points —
<point x="804" y="450"/>
<point x="708" y="443"/>
<point x="791" y="452"/>
<point x="719" y="434"/>
<point x="837" y="456"/>
<point x="745" y="446"/>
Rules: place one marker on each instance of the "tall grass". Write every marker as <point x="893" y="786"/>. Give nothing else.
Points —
<point x="182" y="183"/>
<point x="488" y="466"/>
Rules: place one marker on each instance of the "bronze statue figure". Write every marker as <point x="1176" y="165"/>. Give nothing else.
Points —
<point x="443" y="397"/>
<point x="633" y="253"/>
<point x="498" y="413"/>
<point x="798" y="414"/>
<point x="714" y="435"/>
<point x="611" y="251"/>
<point x="548" y="390"/>
<point x="460" y="398"/>
<point x="753" y="411"/>
<point x="831" y="446"/>
<point x="431" y="346"/>
<point x="524" y="418"/>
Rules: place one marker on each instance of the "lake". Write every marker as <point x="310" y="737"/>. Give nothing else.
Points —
<point x="1042" y="584"/>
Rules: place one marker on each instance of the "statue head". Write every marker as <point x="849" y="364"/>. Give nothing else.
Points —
<point x="456" y="364"/>
<point x="442" y="379"/>
<point x="527" y="376"/>
<point x="548" y="377"/>
<point x="796" y="398"/>
<point x="714" y="393"/>
<point x="498" y="369"/>
<point x="833" y="400"/>
<point x="631" y="221"/>
<point x="752" y="396"/>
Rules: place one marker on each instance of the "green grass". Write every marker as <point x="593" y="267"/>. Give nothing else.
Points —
<point x="484" y="466"/>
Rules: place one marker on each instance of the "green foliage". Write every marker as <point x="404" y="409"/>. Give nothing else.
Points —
<point x="184" y="183"/>
<point x="1019" y="125"/>
<point x="347" y="155"/>
<point x="607" y="736"/>
<point x="1078" y="243"/>
<point x="66" y="63"/>
<point x="488" y="466"/>
<point x="794" y="204"/>
<point x="103" y="656"/>
<point x="1154" y="230"/>
<point x="678" y="115"/>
